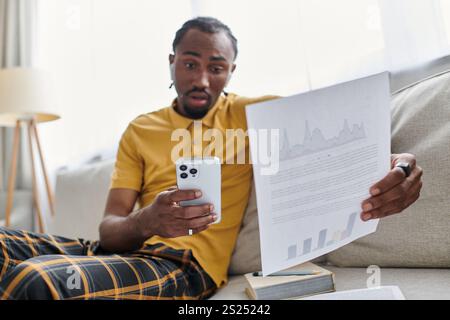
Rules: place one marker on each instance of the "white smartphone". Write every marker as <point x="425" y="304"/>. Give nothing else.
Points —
<point x="203" y="174"/>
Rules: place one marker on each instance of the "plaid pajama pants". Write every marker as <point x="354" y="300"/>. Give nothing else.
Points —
<point x="41" y="266"/>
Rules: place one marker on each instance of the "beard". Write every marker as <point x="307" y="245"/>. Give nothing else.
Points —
<point x="196" y="113"/>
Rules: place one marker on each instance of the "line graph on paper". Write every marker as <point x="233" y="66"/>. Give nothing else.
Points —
<point x="315" y="141"/>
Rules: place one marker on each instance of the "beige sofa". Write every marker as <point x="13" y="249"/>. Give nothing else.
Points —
<point x="412" y="249"/>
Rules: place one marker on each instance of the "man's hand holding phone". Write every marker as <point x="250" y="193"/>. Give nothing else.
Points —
<point x="166" y="218"/>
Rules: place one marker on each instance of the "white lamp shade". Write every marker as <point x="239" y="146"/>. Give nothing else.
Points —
<point x="24" y="93"/>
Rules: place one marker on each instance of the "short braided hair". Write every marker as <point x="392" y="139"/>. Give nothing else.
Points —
<point x="208" y="25"/>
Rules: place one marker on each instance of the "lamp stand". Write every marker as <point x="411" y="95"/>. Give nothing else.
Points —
<point x="32" y="134"/>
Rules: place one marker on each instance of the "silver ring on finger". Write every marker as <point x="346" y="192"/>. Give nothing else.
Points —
<point x="405" y="167"/>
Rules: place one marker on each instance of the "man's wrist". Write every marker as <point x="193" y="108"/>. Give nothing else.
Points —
<point x="141" y="229"/>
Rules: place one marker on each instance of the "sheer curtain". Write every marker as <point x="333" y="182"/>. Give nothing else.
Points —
<point x="17" y="41"/>
<point x="109" y="58"/>
<point x="414" y="31"/>
<point x="295" y="45"/>
<point x="17" y="49"/>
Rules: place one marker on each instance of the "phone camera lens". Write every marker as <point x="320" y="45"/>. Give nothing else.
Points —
<point x="193" y="171"/>
<point x="184" y="175"/>
<point x="183" y="167"/>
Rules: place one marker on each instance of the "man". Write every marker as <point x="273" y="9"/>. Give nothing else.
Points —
<point x="148" y="253"/>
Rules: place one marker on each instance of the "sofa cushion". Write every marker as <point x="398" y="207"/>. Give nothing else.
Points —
<point x="246" y="256"/>
<point x="418" y="237"/>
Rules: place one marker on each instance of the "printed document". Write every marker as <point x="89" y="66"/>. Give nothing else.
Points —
<point x="317" y="154"/>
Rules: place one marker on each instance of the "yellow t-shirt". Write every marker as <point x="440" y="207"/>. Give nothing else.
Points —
<point x="144" y="163"/>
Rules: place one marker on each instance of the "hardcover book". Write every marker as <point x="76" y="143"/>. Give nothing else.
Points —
<point x="303" y="280"/>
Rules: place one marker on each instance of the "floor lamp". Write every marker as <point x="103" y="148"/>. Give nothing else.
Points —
<point x="24" y="101"/>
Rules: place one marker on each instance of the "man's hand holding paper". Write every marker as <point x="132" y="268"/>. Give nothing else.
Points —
<point x="396" y="191"/>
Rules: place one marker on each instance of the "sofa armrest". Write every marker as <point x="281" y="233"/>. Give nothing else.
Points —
<point x="80" y="198"/>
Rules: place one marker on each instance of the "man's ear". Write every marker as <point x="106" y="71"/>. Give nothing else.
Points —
<point x="228" y="79"/>
<point x="172" y="72"/>
<point x="171" y="65"/>
<point x="230" y="74"/>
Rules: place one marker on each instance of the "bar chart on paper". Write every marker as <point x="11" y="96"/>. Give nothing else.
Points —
<point x="325" y="238"/>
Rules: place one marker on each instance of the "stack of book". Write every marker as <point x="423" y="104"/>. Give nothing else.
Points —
<point x="300" y="281"/>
